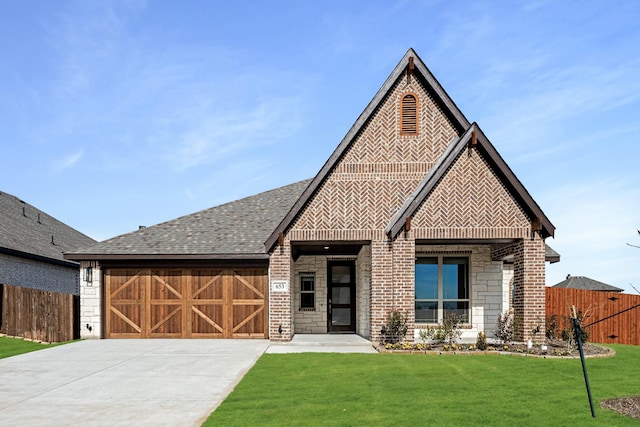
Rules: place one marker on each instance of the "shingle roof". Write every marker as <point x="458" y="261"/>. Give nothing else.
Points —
<point x="234" y="229"/>
<point x="28" y="231"/>
<point x="551" y="255"/>
<point x="586" y="284"/>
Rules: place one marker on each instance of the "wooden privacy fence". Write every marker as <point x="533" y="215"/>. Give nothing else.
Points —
<point x="615" y="317"/>
<point x="38" y="315"/>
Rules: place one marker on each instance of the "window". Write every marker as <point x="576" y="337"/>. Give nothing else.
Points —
<point x="307" y="291"/>
<point x="409" y="115"/>
<point x="442" y="288"/>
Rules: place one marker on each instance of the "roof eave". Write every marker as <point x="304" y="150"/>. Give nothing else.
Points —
<point x="147" y="257"/>
<point x="40" y="258"/>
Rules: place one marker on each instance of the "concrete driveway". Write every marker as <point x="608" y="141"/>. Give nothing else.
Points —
<point x="123" y="382"/>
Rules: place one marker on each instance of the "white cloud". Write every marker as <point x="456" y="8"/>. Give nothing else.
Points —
<point x="69" y="161"/>
<point x="216" y="135"/>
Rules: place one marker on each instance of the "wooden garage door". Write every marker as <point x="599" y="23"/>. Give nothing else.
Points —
<point x="186" y="303"/>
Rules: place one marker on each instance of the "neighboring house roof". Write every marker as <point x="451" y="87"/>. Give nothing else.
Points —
<point x="26" y="231"/>
<point x="444" y="163"/>
<point x="428" y="80"/>
<point x="233" y="230"/>
<point x="585" y="284"/>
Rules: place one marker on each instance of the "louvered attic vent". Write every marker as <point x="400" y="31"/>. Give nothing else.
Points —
<point x="409" y="115"/>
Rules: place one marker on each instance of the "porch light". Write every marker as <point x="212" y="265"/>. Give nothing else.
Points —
<point x="88" y="275"/>
<point x="326" y="248"/>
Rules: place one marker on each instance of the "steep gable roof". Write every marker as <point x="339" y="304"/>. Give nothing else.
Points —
<point x="586" y="284"/>
<point x="421" y="72"/>
<point x="234" y="230"/>
<point x="29" y="232"/>
<point x="443" y="164"/>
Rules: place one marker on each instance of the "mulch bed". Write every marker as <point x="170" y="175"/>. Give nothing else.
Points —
<point x="555" y="348"/>
<point x="629" y="406"/>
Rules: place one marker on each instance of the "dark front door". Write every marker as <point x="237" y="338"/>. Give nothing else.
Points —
<point x="342" y="296"/>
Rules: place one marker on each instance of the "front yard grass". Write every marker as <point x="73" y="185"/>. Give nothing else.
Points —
<point x="414" y="389"/>
<point x="13" y="346"/>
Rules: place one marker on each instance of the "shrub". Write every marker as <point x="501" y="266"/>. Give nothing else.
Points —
<point x="505" y="327"/>
<point x="551" y="326"/>
<point x="481" y="341"/>
<point x="568" y="333"/>
<point x="450" y="328"/>
<point x="432" y="334"/>
<point x="395" y="329"/>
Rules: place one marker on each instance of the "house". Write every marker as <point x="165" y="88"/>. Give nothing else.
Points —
<point x="415" y="211"/>
<point x="38" y="287"/>
<point x="32" y="246"/>
<point x="585" y="284"/>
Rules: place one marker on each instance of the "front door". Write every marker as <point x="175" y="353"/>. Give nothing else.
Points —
<point x="342" y="296"/>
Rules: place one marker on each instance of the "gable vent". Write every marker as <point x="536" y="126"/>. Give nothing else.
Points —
<point x="409" y="115"/>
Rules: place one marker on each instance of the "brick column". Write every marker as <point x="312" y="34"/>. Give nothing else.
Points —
<point x="404" y="264"/>
<point x="281" y="303"/>
<point x="381" y="285"/>
<point x="529" y="287"/>
<point x="392" y="282"/>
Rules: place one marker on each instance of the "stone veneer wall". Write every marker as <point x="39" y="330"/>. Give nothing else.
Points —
<point x="311" y="322"/>
<point x="487" y="286"/>
<point x="315" y="322"/>
<point x="507" y="286"/>
<point x="90" y="305"/>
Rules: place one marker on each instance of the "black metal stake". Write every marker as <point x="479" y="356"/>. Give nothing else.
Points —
<point x="578" y="331"/>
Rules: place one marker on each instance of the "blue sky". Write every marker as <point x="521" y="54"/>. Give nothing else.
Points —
<point x="128" y="113"/>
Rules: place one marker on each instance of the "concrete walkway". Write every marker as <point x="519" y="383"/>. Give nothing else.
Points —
<point x="131" y="382"/>
<point x="123" y="382"/>
<point x="334" y="343"/>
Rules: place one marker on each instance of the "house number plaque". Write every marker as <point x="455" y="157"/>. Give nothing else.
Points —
<point x="279" y="285"/>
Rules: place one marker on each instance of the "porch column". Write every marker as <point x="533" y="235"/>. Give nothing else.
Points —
<point x="281" y="294"/>
<point x="90" y="301"/>
<point x="529" y="287"/>
<point x="381" y="285"/>
<point x="392" y="283"/>
<point x="404" y="265"/>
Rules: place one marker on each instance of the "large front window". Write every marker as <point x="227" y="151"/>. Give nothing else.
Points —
<point x="442" y="288"/>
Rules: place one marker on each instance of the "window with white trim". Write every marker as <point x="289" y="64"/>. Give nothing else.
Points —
<point x="442" y="288"/>
<point x="307" y="291"/>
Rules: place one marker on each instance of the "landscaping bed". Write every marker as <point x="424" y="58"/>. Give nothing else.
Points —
<point x="629" y="406"/>
<point x="554" y="348"/>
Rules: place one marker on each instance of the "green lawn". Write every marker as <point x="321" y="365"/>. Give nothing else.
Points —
<point x="14" y="346"/>
<point x="412" y="389"/>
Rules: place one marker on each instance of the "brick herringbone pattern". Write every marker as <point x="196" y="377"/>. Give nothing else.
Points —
<point x="470" y="202"/>
<point x="380" y="170"/>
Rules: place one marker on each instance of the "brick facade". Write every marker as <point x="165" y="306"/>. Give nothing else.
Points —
<point x="529" y="287"/>
<point x="281" y="302"/>
<point x="372" y="181"/>
<point x="29" y="273"/>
